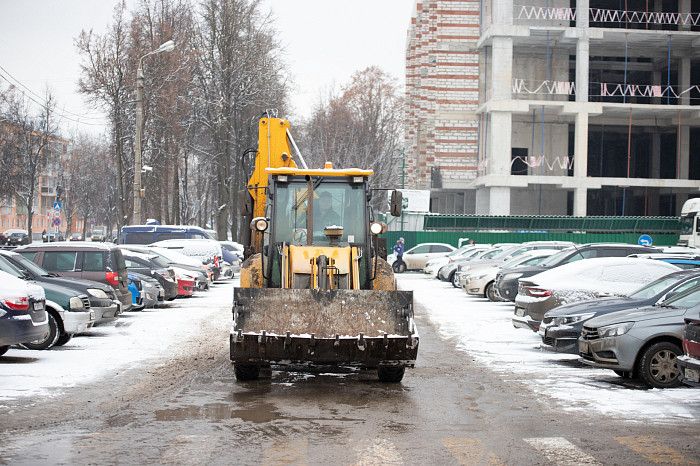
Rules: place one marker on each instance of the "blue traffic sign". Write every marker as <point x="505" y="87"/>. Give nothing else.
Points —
<point x="56" y="206"/>
<point x="644" y="240"/>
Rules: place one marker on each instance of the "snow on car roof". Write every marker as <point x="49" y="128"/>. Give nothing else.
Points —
<point x="605" y="274"/>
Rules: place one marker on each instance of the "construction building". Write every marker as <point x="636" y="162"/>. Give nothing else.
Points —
<point x="551" y="107"/>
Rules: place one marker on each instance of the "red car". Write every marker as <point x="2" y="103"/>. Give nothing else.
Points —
<point x="185" y="286"/>
<point x="689" y="364"/>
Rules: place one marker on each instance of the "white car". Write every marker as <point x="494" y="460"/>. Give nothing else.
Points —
<point x="479" y="281"/>
<point x="433" y="265"/>
<point x="416" y="257"/>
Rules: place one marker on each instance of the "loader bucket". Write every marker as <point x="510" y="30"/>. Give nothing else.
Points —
<point x="363" y="328"/>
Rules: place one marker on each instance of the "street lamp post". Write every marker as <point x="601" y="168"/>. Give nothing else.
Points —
<point x="166" y="47"/>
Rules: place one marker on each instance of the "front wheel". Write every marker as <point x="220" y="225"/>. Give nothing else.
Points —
<point x="391" y="374"/>
<point x="4" y="349"/>
<point x="63" y="339"/>
<point x="246" y="372"/>
<point x="49" y="339"/>
<point x="454" y="278"/>
<point x="658" y="365"/>
<point x="399" y="267"/>
<point x="490" y="293"/>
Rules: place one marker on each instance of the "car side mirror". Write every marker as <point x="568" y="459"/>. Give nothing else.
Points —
<point x="396" y="203"/>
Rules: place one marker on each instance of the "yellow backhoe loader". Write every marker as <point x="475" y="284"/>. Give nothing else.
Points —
<point x="313" y="291"/>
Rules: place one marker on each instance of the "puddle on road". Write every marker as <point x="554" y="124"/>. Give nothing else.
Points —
<point x="218" y="411"/>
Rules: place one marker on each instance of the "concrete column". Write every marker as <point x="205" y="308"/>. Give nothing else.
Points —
<point x="582" y="68"/>
<point x="502" y="12"/>
<point x="502" y="68"/>
<point x="500" y="136"/>
<point x="582" y="14"/>
<point x="684" y="80"/>
<point x="499" y="201"/>
<point x="684" y="172"/>
<point x="580" y="202"/>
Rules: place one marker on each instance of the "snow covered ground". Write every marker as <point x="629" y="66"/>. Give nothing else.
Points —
<point x="136" y="339"/>
<point x="478" y="327"/>
<point x="483" y="329"/>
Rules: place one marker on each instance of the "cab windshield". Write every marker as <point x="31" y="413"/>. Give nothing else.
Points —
<point x="334" y="204"/>
<point x="687" y="224"/>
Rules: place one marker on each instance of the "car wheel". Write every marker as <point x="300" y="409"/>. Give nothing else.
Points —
<point x="399" y="268"/>
<point x="246" y="372"/>
<point x="658" y="365"/>
<point x="390" y="374"/>
<point x="4" y="349"/>
<point x="490" y="293"/>
<point x="49" y="339"/>
<point x="454" y="279"/>
<point x="63" y="339"/>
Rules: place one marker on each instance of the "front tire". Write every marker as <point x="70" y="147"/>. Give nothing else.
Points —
<point x="391" y="374"/>
<point x="4" y="349"/>
<point x="49" y="340"/>
<point x="399" y="268"/>
<point x="658" y="365"/>
<point x="63" y="339"/>
<point x="454" y="279"/>
<point x="490" y="293"/>
<point x="246" y="372"/>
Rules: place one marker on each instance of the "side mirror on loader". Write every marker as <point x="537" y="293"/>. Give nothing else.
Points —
<point x="245" y="203"/>
<point x="396" y="203"/>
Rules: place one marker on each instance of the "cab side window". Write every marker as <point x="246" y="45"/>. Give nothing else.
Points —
<point x="424" y="249"/>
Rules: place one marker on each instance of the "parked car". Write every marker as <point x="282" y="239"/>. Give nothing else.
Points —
<point x="416" y="257"/>
<point x="561" y="327"/>
<point x="148" y="234"/>
<point x="644" y="342"/>
<point x="507" y="280"/>
<point x="433" y="265"/>
<point x="152" y="294"/>
<point x="178" y="262"/>
<point x="581" y="280"/>
<point x="100" y="262"/>
<point x="683" y="261"/>
<point x="103" y="299"/>
<point x="23" y="316"/>
<point x="207" y="251"/>
<point x="480" y="280"/>
<point x="689" y="362"/>
<point x="453" y="271"/>
<point x="153" y="266"/>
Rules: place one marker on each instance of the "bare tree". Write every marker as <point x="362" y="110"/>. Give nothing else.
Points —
<point x="29" y="144"/>
<point x="239" y="72"/>
<point x="106" y="83"/>
<point x="361" y="127"/>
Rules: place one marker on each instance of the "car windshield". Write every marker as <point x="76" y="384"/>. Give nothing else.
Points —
<point x="9" y="267"/>
<point x="652" y="289"/>
<point x="31" y="266"/>
<point x="689" y="298"/>
<point x="335" y="204"/>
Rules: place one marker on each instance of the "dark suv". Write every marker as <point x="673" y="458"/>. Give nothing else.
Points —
<point x="506" y="282"/>
<point x="101" y="262"/>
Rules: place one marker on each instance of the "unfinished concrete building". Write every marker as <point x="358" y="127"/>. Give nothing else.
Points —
<point x="553" y="107"/>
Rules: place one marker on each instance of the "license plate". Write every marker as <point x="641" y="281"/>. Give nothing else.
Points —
<point x="520" y="311"/>
<point x="38" y="306"/>
<point x="583" y="347"/>
<point x="542" y="332"/>
<point x="691" y="375"/>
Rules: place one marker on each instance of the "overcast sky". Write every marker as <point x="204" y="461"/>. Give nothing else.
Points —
<point x="326" y="42"/>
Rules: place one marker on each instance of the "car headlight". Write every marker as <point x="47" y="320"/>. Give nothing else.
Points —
<point x="464" y="268"/>
<point x="572" y="319"/>
<point x="76" y="303"/>
<point x="512" y="276"/>
<point x="614" y="330"/>
<point x="97" y="293"/>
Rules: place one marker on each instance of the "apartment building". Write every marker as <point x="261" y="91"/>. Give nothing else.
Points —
<point x="550" y="107"/>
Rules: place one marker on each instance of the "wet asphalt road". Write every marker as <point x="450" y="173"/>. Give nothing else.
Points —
<point x="447" y="410"/>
